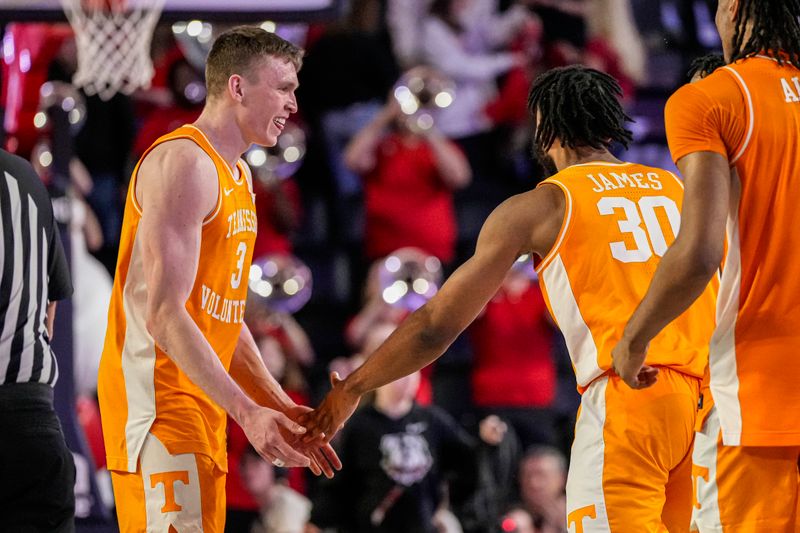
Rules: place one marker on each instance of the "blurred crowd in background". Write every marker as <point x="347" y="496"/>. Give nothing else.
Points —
<point x="480" y="440"/>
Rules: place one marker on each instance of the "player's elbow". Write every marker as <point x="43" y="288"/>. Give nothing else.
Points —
<point x="434" y="335"/>
<point x="158" y="317"/>
<point x="704" y="260"/>
<point x="154" y="324"/>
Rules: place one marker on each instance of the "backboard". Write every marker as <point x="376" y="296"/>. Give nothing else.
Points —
<point x="212" y="10"/>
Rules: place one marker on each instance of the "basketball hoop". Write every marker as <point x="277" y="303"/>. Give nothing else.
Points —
<point x="113" y="41"/>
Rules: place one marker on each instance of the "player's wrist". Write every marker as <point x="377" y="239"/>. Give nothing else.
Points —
<point x="243" y="409"/>
<point x="636" y="344"/>
<point x="634" y="338"/>
<point x="353" y="387"/>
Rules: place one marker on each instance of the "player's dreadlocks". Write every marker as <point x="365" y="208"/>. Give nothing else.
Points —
<point x="580" y="107"/>
<point x="705" y="65"/>
<point x="776" y="28"/>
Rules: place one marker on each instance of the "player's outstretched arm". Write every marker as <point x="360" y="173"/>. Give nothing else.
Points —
<point x="177" y="187"/>
<point x="249" y="371"/>
<point x="686" y="268"/>
<point x="524" y="223"/>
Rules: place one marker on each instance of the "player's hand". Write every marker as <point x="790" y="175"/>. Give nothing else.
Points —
<point x="333" y="412"/>
<point x="268" y="431"/>
<point x="322" y="456"/>
<point x="628" y="363"/>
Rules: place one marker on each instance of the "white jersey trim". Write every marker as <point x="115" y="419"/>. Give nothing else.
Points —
<point x="138" y="359"/>
<point x="705" y="516"/>
<point x="751" y="114"/>
<point x="585" y="476"/>
<point x="580" y="343"/>
<point x="562" y="232"/>
<point x="722" y="349"/>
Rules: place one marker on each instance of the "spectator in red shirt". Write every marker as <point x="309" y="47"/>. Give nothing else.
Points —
<point x="514" y="374"/>
<point x="408" y="177"/>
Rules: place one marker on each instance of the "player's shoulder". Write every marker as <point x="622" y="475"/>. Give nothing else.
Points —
<point x="178" y="169"/>
<point x="714" y="89"/>
<point x="177" y="158"/>
<point x="533" y="204"/>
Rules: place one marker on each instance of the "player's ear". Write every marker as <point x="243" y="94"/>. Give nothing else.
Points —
<point x="733" y="8"/>
<point x="235" y="87"/>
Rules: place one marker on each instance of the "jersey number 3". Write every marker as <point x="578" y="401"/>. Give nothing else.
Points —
<point x="236" y="277"/>
<point x="649" y="239"/>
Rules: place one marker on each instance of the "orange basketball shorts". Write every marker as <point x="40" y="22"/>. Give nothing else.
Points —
<point x="630" y="469"/>
<point x="182" y="493"/>
<point x="743" y="489"/>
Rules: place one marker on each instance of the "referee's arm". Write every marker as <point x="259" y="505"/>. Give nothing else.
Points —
<point x="59" y="281"/>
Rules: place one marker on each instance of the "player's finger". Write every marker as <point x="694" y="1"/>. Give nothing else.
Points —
<point x="268" y="457"/>
<point x="290" y="424"/>
<point x="331" y="456"/>
<point x="288" y="455"/>
<point x="303" y="420"/>
<point x="648" y="373"/>
<point x="648" y="370"/>
<point x="319" y="457"/>
<point x="314" y="465"/>
<point x="335" y="378"/>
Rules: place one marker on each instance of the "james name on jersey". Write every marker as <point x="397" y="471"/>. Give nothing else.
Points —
<point x="621" y="180"/>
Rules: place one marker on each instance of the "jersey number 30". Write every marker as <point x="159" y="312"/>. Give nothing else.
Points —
<point x="649" y="239"/>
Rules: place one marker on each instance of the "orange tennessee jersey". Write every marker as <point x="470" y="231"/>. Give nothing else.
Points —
<point x="750" y="113"/>
<point x="140" y="388"/>
<point x="619" y="221"/>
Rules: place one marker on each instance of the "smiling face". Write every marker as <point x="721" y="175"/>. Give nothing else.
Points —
<point x="266" y="100"/>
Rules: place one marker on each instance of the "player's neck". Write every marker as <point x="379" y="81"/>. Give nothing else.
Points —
<point x="223" y="133"/>
<point x="569" y="157"/>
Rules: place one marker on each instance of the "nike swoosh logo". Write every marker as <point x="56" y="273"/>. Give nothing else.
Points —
<point x="228" y="191"/>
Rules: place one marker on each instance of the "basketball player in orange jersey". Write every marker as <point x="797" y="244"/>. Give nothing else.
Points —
<point x="735" y="137"/>
<point x="600" y="226"/>
<point x="177" y="355"/>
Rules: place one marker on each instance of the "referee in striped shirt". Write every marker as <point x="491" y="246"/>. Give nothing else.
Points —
<point x="37" y="473"/>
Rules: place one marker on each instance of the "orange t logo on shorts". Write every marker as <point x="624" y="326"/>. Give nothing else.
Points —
<point x="697" y="472"/>
<point x="168" y="479"/>
<point x="576" y="517"/>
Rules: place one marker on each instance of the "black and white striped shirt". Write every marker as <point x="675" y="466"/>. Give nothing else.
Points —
<point x="33" y="271"/>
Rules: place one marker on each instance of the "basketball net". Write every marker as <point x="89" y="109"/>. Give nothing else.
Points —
<point x="113" y="42"/>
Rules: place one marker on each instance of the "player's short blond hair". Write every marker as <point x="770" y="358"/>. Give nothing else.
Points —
<point x="236" y="50"/>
